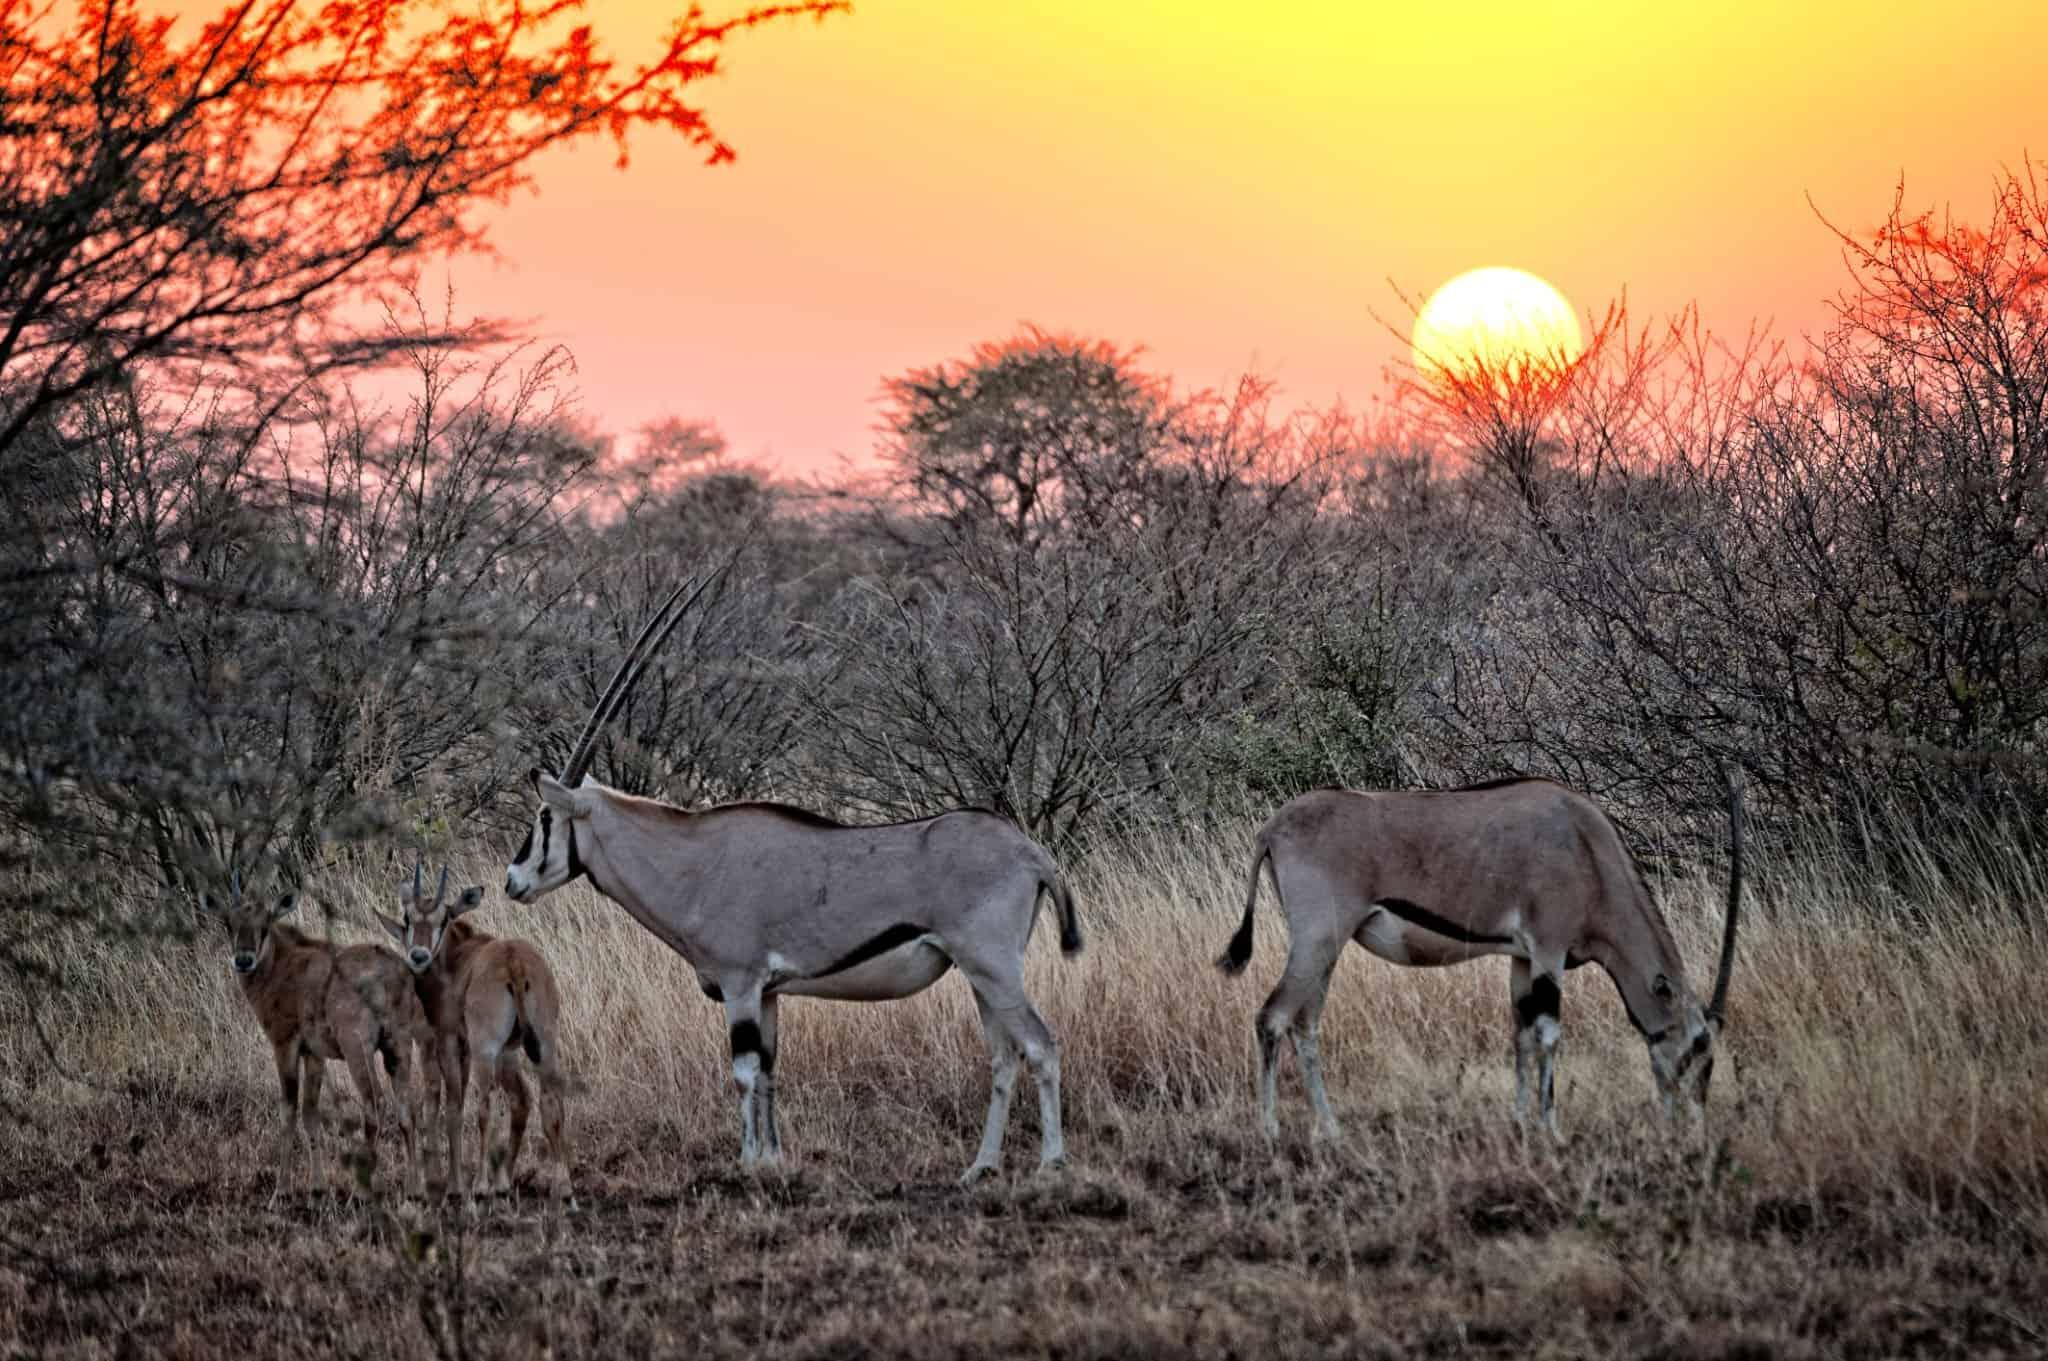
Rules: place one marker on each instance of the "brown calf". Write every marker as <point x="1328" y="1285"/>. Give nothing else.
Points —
<point x="317" y="1002"/>
<point x="487" y="999"/>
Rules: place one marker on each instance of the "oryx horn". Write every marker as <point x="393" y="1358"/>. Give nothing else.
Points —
<point x="665" y="619"/>
<point x="1717" y="1006"/>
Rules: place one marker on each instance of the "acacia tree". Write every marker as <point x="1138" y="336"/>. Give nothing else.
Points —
<point x="1028" y="433"/>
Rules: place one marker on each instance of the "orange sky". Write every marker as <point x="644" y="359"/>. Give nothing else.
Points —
<point x="1230" y="192"/>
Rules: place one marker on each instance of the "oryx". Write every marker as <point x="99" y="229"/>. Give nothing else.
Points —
<point x="487" y="999"/>
<point x="1522" y="867"/>
<point x="767" y="901"/>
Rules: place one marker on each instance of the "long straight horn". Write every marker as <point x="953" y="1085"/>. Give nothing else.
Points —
<point x="441" y="889"/>
<point x="236" y="874"/>
<point x="1717" y="1008"/>
<point x="579" y="755"/>
<point x="644" y="647"/>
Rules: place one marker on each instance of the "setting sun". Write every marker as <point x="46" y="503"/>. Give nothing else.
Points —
<point x="1492" y="320"/>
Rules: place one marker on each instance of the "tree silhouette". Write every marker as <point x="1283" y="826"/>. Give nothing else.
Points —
<point x="254" y="194"/>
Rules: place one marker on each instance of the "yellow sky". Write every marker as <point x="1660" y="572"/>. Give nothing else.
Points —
<point x="1232" y="191"/>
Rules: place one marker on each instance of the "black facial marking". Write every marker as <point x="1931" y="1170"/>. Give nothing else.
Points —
<point x="1542" y="999"/>
<point x="390" y="1057"/>
<point x="900" y="934"/>
<point x="746" y="1039"/>
<point x="525" y="848"/>
<point x="547" y="821"/>
<point x="576" y="866"/>
<point x="1430" y="921"/>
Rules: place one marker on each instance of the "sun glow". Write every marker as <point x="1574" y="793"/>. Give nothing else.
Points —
<point x="1495" y="321"/>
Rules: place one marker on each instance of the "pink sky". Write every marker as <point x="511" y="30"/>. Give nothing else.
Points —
<point x="1229" y="192"/>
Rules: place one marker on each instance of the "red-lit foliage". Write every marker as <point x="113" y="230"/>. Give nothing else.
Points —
<point x="225" y="192"/>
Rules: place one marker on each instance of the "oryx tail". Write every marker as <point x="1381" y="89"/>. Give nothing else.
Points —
<point x="1051" y="881"/>
<point x="1239" y="953"/>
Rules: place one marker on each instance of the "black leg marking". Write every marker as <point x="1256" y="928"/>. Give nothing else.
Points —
<point x="900" y="934"/>
<point x="1443" y="926"/>
<point x="746" y="1038"/>
<point x="1542" y="999"/>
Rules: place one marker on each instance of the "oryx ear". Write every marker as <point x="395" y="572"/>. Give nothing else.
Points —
<point x="471" y="896"/>
<point x="570" y="803"/>
<point x="284" y="905"/>
<point x="396" y="928"/>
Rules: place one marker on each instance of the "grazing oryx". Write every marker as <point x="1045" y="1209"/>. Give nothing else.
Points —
<point x="318" y="1002"/>
<point x="1522" y="867"/>
<point x="767" y="901"/>
<point x="487" y="999"/>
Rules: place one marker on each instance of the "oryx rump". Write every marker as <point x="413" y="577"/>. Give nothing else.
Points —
<point x="1524" y="868"/>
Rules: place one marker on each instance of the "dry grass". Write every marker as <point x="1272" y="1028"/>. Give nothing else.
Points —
<point x="1873" y="1180"/>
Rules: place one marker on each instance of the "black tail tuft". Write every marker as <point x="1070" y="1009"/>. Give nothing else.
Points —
<point x="1233" y="960"/>
<point x="1239" y="953"/>
<point x="1070" y="921"/>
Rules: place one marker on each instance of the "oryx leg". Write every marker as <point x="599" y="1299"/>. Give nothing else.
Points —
<point x="453" y="1062"/>
<point x="751" y="1062"/>
<point x="315" y="1073"/>
<point x="363" y="1072"/>
<point x="397" y="1051"/>
<point x="552" y="1085"/>
<point x="289" y="1058"/>
<point x="1538" y="1001"/>
<point x="486" y="1033"/>
<point x="997" y="978"/>
<point x="771" y="1135"/>
<point x="514" y="1088"/>
<point x="1002" y="1057"/>
<point x="1308" y="1053"/>
<point x="1295" y="1007"/>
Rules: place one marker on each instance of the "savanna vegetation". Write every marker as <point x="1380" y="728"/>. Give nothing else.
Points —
<point x="255" y="620"/>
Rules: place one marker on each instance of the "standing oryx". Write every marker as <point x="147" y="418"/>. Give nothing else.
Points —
<point x="766" y="901"/>
<point x="486" y="999"/>
<point x="1524" y="868"/>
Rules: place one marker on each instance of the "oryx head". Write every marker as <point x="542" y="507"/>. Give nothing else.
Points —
<point x="548" y="858"/>
<point x="1682" y="1039"/>
<point x="247" y="923"/>
<point x="422" y="926"/>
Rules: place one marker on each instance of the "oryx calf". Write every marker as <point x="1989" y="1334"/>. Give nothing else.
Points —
<point x="318" y="1002"/>
<point x="487" y="999"/>
<point x="1523" y="868"/>
<point x="767" y="901"/>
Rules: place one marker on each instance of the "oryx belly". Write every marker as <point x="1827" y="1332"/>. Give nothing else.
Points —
<point x="893" y="973"/>
<point x="1401" y="942"/>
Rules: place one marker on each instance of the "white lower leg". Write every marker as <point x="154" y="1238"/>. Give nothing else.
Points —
<point x="1002" y="1084"/>
<point x="1308" y="1054"/>
<point x="1045" y="1072"/>
<point x="746" y="1073"/>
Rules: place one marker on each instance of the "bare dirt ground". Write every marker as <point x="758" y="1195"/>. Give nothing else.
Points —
<point x="149" y="1229"/>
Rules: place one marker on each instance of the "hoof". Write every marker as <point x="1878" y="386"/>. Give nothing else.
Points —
<point x="1056" y="1163"/>
<point x="973" y="1175"/>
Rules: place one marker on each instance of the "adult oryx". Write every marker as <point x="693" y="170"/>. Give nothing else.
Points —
<point x="1523" y="868"/>
<point x="767" y="901"/>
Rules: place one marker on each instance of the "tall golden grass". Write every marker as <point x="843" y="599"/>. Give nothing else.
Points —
<point x="1881" y="1034"/>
